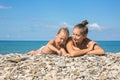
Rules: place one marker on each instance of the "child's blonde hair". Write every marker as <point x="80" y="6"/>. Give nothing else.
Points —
<point x="65" y="30"/>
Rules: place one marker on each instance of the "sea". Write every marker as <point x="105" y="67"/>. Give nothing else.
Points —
<point x="8" y="47"/>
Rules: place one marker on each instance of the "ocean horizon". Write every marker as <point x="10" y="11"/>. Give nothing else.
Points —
<point x="24" y="46"/>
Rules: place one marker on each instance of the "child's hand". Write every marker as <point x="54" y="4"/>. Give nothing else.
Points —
<point x="64" y="53"/>
<point x="59" y="52"/>
<point x="33" y="52"/>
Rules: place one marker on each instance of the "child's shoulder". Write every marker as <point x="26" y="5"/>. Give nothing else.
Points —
<point x="52" y="41"/>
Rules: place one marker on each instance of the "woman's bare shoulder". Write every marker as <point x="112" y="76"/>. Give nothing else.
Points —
<point x="91" y="42"/>
<point x="88" y="40"/>
<point x="69" y="42"/>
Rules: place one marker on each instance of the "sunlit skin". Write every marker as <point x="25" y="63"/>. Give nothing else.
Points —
<point x="79" y="44"/>
<point x="55" y="45"/>
<point x="58" y="43"/>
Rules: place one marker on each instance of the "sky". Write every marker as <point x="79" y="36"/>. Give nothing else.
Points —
<point x="41" y="19"/>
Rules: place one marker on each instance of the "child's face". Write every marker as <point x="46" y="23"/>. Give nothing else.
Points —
<point x="77" y="35"/>
<point x="61" y="38"/>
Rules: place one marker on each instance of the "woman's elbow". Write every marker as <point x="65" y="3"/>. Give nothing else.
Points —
<point x="102" y="52"/>
<point x="72" y="54"/>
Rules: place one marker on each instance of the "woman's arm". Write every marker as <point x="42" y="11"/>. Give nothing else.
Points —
<point x="96" y="50"/>
<point x="76" y="52"/>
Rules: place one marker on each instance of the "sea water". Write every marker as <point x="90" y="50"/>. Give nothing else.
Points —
<point x="7" y="47"/>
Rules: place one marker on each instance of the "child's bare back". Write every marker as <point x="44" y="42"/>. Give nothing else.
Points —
<point x="47" y="49"/>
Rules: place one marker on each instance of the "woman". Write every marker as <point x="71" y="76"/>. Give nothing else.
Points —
<point x="79" y="44"/>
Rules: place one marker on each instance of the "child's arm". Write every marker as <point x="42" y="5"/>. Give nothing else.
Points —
<point x="51" y="45"/>
<point x="64" y="52"/>
<point x="36" y="51"/>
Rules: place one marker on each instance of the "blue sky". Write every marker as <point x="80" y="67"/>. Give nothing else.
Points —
<point x="41" y="19"/>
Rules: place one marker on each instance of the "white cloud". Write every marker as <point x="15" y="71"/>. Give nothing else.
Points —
<point x="94" y="26"/>
<point x="52" y="25"/>
<point x="4" y="7"/>
<point x="65" y="24"/>
<point x="43" y="25"/>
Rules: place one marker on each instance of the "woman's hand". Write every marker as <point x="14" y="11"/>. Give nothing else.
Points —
<point x="75" y="48"/>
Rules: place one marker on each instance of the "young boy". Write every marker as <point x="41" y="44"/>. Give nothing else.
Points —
<point x="56" y="45"/>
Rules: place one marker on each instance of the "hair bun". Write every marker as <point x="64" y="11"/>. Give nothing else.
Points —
<point x="85" y="22"/>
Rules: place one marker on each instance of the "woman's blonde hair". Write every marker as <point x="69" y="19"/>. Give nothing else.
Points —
<point x="63" y="29"/>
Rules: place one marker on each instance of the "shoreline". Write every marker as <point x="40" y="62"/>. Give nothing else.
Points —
<point x="26" y="53"/>
<point x="54" y="67"/>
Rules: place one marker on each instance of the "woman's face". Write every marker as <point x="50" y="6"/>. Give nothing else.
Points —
<point x="77" y="35"/>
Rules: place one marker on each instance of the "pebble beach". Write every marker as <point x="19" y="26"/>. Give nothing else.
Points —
<point x="54" y="67"/>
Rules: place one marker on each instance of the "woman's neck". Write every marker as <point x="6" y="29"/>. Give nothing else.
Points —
<point x="78" y="44"/>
